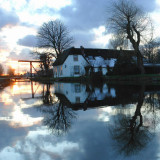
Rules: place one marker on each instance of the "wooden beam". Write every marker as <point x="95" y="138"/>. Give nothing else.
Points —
<point x="28" y="61"/>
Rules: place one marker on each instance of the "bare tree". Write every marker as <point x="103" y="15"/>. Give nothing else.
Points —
<point x="118" y="41"/>
<point x="151" y="50"/>
<point x="54" y="36"/>
<point x="129" y="21"/>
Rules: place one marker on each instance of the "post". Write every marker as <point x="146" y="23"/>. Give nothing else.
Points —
<point x="31" y="69"/>
<point x="32" y="89"/>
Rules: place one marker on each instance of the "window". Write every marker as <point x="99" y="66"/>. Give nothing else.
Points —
<point x="77" y="99"/>
<point x="77" y="88"/>
<point x="76" y="70"/>
<point x="75" y="57"/>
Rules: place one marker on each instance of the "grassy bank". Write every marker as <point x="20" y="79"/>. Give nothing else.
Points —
<point x="4" y="82"/>
<point x="141" y="78"/>
<point x="145" y="78"/>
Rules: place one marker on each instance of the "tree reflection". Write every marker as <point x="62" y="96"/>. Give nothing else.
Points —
<point x="152" y="105"/>
<point x="58" y="116"/>
<point x="130" y="133"/>
<point x="47" y="97"/>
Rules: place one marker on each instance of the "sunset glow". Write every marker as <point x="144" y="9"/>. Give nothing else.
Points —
<point x="13" y="64"/>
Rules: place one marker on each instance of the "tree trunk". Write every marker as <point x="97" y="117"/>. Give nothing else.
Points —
<point x="140" y="61"/>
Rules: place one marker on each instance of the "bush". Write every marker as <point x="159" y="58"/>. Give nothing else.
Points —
<point x="125" y="65"/>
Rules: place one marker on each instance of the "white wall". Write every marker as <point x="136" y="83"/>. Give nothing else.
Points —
<point x="68" y="67"/>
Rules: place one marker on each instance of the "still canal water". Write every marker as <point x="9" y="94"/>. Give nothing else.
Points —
<point x="72" y="121"/>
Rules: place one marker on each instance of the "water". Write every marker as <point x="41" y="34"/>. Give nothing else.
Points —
<point x="72" y="121"/>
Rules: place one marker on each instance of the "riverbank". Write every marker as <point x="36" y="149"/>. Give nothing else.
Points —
<point x="4" y="82"/>
<point x="145" y="78"/>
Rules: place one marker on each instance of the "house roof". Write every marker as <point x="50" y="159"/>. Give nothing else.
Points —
<point x="86" y="52"/>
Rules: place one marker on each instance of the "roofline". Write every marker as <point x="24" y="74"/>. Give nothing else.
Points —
<point x="69" y="51"/>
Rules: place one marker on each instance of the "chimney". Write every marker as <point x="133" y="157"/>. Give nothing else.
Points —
<point x="82" y="50"/>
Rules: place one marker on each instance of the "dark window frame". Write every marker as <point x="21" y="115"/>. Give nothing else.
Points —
<point x="77" y="69"/>
<point x="75" y="57"/>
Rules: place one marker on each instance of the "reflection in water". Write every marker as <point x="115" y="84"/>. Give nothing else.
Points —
<point x="130" y="112"/>
<point x="130" y="133"/>
<point x="48" y="98"/>
<point x="58" y="116"/>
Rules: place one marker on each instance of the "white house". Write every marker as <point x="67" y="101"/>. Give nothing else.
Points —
<point x="72" y="62"/>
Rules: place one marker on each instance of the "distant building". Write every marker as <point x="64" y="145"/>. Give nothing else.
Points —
<point x="74" y="61"/>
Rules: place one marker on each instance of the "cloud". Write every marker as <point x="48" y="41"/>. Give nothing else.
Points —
<point x="28" y="41"/>
<point x="83" y="39"/>
<point x="147" y="5"/>
<point x="55" y="4"/>
<point x="3" y="45"/>
<point x="81" y="17"/>
<point x="25" y="54"/>
<point x="9" y="134"/>
<point x="8" y="18"/>
<point x="84" y="15"/>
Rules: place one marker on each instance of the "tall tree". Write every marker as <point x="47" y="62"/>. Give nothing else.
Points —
<point x="129" y="21"/>
<point x="46" y="64"/>
<point x="54" y="36"/>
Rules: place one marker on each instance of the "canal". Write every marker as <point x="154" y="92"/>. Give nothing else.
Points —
<point x="73" y="121"/>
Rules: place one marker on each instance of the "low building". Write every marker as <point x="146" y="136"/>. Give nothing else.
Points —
<point x="74" y="62"/>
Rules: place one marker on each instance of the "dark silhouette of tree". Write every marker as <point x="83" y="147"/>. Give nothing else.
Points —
<point x="118" y="42"/>
<point x="46" y="64"/>
<point x="48" y="98"/>
<point x="58" y="116"/>
<point x="54" y="36"/>
<point x="125" y="65"/>
<point x="152" y="105"/>
<point x="130" y="134"/>
<point x="128" y="21"/>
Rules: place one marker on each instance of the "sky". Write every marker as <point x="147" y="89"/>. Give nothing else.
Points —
<point x="85" y="19"/>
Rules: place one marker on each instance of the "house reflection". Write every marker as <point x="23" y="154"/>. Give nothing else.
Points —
<point x="74" y="92"/>
<point x="131" y="131"/>
<point x="83" y="96"/>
